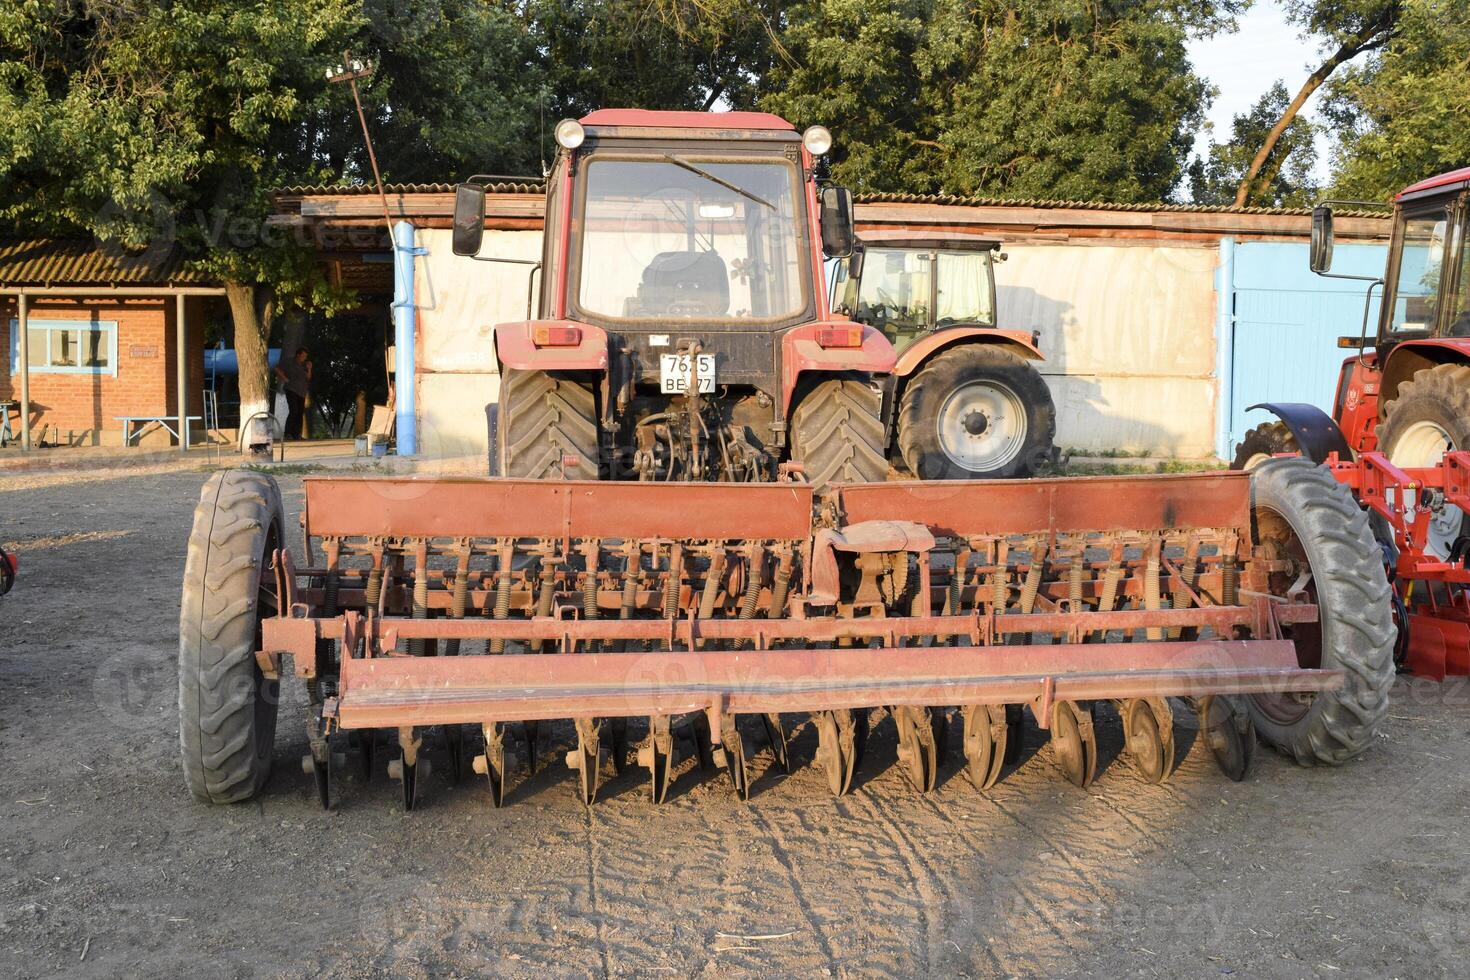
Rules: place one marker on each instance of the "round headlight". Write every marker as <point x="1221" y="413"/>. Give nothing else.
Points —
<point x="817" y="140"/>
<point x="570" y="134"/>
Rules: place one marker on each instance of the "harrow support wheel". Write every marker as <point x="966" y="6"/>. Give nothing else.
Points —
<point x="585" y="759"/>
<point x="776" y="735"/>
<point x="1148" y="737"/>
<point x="838" y="746"/>
<point x="227" y="706"/>
<point x="1313" y="524"/>
<point x="1229" y="733"/>
<point x="656" y="755"/>
<point x="1074" y="742"/>
<point x="492" y="764"/>
<point x="987" y="741"/>
<point x="920" y="744"/>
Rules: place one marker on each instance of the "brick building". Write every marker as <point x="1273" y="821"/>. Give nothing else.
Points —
<point x="103" y="340"/>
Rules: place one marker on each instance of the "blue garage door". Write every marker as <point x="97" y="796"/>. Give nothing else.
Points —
<point x="1286" y="323"/>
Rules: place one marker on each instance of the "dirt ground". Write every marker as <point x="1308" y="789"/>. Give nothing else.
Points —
<point x="108" y="868"/>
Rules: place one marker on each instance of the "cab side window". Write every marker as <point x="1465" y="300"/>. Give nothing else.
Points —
<point x="1416" y="288"/>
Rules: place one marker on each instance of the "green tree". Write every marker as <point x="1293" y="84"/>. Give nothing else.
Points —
<point x="1348" y="28"/>
<point x="1401" y="116"/>
<point x="1000" y="97"/>
<point x="1286" y="180"/>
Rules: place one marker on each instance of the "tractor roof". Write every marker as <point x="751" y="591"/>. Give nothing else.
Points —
<point x="655" y="119"/>
<point x="1453" y="179"/>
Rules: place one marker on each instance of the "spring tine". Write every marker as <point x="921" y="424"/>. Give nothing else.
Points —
<point x="712" y="582"/>
<point x="1187" y="572"/>
<point x="1151" y="597"/>
<point x="502" y="588"/>
<point x="416" y="646"/>
<point x="1111" y="576"/>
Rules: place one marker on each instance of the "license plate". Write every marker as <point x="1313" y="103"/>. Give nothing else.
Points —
<point x="677" y="370"/>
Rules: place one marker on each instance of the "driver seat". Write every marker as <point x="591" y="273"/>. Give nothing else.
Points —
<point x="684" y="282"/>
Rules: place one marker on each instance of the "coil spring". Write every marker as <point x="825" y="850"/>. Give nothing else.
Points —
<point x="1151" y="592"/>
<point x="502" y="599"/>
<point x="374" y="589"/>
<point x="460" y="603"/>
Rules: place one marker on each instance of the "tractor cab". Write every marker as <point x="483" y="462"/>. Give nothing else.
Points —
<point x="909" y="288"/>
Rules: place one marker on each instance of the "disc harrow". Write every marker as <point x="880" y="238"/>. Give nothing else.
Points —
<point x="720" y="613"/>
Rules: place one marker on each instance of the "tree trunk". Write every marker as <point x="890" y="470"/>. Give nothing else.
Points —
<point x="1370" y="36"/>
<point x="251" y="308"/>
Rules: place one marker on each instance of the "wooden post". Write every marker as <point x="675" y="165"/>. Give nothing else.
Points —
<point x="181" y="370"/>
<point x="23" y="325"/>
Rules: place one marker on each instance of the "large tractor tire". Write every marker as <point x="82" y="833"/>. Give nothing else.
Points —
<point x="1263" y="442"/>
<point x="547" y="427"/>
<point x="837" y="433"/>
<point x="1302" y="514"/>
<point x="227" y="707"/>
<point x="1429" y="417"/>
<point x="976" y="412"/>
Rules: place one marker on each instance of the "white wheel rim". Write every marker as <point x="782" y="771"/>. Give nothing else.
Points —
<point x="999" y="416"/>
<point x="1422" y="445"/>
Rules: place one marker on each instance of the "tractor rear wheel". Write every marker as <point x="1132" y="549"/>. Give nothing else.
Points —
<point x="227" y="706"/>
<point x="1429" y="417"/>
<point x="546" y="426"/>
<point x="1263" y="442"/>
<point x="1304" y="516"/>
<point x="976" y="412"/>
<point x="837" y="433"/>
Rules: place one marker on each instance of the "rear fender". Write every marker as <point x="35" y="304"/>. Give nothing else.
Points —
<point x="515" y="349"/>
<point x="801" y="354"/>
<point x="1022" y="343"/>
<point x="1316" y="433"/>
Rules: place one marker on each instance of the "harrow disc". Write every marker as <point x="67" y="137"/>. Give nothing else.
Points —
<point x="920" y="744"/>
<point x="734" y="756"/>
<point x="618" y="732"/>
<point x="1230" y="734"/>
<point x="1148" y="732"/>
<point x="491" y="764"/>
<point x="585" y="759"/>
<point x="454" y="741"/>
<point x="656" y="755"/>
<point x="1074" y="742"/>
<point x="776" y="735"/>
<point x="838" y="746"/>
<point x="987" y="742"/>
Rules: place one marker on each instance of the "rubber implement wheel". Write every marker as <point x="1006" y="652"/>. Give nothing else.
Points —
<point x="1303" y="515"/>
<point x="227" y="707"/>
<point x="1263" y="442"/>
<point x="1429" y="417"/>
<point x="546" y="427"/>
<point x="974" y="412"/>
<point x="837" y="433"/>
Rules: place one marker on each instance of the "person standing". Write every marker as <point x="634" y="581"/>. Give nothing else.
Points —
<point x="295" y="376"/>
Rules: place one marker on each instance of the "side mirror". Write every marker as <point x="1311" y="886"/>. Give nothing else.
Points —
<point x="839" y="231"/>
<point x="469" y="218"/>
<point x="1320" y="258"/>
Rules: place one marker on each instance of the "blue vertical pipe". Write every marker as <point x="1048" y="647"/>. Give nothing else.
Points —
<point x="1225" y="346"/>
<point x="403" y="323"/>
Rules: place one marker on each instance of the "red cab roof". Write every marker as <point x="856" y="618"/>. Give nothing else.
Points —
<point x="685" y="120"/>
<point x="1461" y="176"/>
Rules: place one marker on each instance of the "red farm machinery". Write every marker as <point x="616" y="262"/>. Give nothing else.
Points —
<point x="1399" y="434"/>
<point x="692" y="541"/>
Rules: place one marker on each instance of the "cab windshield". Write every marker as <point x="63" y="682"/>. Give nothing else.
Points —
<point x="677" y="237"/>
<point x="1416" y="288"/>
<point x="906" y="291"/>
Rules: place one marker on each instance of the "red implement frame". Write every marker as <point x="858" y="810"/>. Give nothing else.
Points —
<point x="926" y="656"/>
<point x="1433" y="590"/>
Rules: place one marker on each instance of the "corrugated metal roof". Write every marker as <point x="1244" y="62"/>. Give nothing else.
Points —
<point x="70" y="262"/>
<point x="503" y="187"/>
<point x="536" y="187"/>
<point x="1003" y="202"/>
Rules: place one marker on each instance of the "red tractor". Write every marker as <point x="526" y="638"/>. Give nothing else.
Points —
<point x="1400" y="424"/>
<point x="684" y="329"/>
